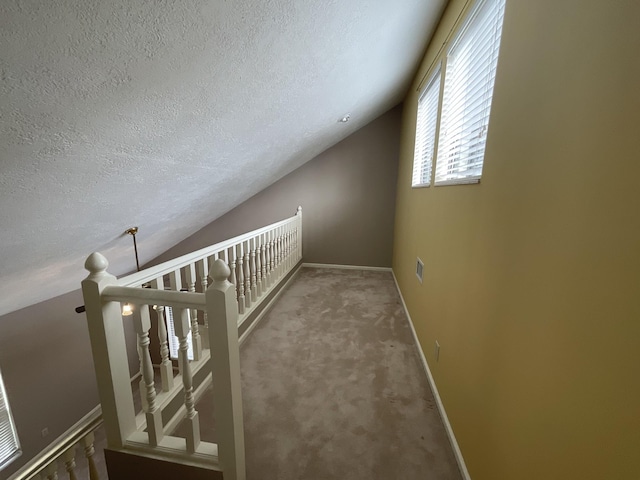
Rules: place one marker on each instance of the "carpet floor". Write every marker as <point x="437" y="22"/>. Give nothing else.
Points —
<point x="333" y="387"/>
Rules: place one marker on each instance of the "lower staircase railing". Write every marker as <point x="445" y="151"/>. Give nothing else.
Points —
<point x="63" y="452"/>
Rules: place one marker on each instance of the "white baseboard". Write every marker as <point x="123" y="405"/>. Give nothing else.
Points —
<point x="267" y="307"/>
<point x="346" y="267"/>
<point x="445" y="419"/>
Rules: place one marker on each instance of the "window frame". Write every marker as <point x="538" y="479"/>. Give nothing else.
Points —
<point x="423" y="119"/>
<point x="10" y="423"/>
<point x="440" y="67"/>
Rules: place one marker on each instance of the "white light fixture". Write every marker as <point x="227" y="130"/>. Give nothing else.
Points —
<point x="126" y="310"/>
<point x="345" y="119"/>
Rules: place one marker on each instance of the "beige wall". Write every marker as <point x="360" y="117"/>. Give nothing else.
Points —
<point x="46" y="363"/>
<point x="532" y="277"/>
<point x="47" y="366"/>
<point x="348" y="198"/>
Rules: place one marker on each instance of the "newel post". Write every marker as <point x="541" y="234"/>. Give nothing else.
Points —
<point x="222" y="308"/>
<point x="106" y="333"/>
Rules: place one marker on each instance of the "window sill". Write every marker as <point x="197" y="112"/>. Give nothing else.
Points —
<point x="458" y="181"/>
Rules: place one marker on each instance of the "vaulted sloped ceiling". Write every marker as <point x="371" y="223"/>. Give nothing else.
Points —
<point x="167" y="114"/>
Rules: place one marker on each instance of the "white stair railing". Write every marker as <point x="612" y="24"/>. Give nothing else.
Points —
<point x="64" y="451"/>
<point x="243" y="270"/>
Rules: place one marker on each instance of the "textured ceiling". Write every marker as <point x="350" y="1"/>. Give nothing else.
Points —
<point x="168" y="114"/>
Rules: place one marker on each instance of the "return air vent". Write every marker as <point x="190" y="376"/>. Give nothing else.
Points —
<point x="419" y="269"/>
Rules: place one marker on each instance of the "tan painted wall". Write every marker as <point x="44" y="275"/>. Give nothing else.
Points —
<point x="532" y="277"/>
<point x="348" y="199"/>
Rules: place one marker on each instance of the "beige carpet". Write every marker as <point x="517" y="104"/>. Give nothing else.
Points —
<point x="333" y="387"/>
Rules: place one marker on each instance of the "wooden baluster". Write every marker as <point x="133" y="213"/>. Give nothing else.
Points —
<point x="142" y="324"/>
<point x="287" y="249"/>
<point x="89" y="452"/>
<point x="181" y="324"/>
<point x="69" y="458"/>
<point x="196" y="340"/>
<point x="257" y="254"/>
<point x="267" y="261"/>
<point x="240" y="265"/>
<point x="294" y="248"/>
<point x="142" y="388"/>
<point x="51" y="470"/>
<point x="203" y="271"/>
<point x="279" y="253"/>
<point x="166" y="368"/>
<point x="225" y="367"/>
<point x="299" y="233"/>
<point x="274" y="257"/>
<point x="247" y="274"/>
<point x="282" y="251"/>
<point x="232" y="266"/>
<point x="291" y="249"/>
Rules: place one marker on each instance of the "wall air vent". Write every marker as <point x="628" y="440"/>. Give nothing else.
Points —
<point x="419" y="268"/>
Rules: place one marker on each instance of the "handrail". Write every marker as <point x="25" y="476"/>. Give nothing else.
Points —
<point x="151" y="296"/>
<point x="151" y="273"/>
<point x="87" y="424"/>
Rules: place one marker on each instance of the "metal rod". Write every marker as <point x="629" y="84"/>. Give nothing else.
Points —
<point x="135" y="248"/>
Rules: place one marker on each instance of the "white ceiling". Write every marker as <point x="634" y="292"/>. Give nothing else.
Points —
<point x="167" y="114"/>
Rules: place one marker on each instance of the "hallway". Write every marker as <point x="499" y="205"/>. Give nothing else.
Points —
<point x="333" y="387"/>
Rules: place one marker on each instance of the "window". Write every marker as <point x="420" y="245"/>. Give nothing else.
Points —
<point x="468" y="88"/>
<point x="9" y="445"/>
<point x="469" y="75"/>
<point x="174" y="343"/>
<point x="426" y="132"/>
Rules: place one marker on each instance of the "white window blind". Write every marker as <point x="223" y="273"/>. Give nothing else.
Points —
<point x="9" y="445"/>
<point x="174" y="344"/>
<point x="468" y="88"/>
<point x="426" y="132"/>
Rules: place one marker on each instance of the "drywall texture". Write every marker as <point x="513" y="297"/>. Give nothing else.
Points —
<point x="531" y="277"/>
<point x="347" y="194"/>
<point x="166" y="116"/>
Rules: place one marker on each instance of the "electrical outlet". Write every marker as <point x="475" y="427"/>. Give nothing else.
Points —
<point x="45" y="432"/>
<point x="437" y="351"/>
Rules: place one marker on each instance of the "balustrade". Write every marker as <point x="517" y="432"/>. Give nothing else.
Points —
<point x="243" y="272"/>
<point x="60" y="458"/>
